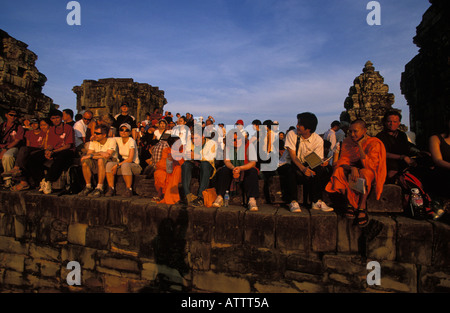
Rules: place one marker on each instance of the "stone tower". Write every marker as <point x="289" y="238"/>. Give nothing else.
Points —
<point x="20" y="81"/>
<point x="426" y="80"/>
<point x="106" y="96"/>
<point x="368" y="99"/>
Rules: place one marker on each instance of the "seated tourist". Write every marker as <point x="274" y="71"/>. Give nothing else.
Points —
<point x="240" y="165"/>
<point x="56" y="158"/>
<point x="364" y="157"/>
<point x="268" y="156"/>
<point x="11" y="137"/>
<point x="439" y="146"/>
<point x="168" y="179"/>
<point x="128" y="163"/>
<point x="36" y="139"/>
<point x="80" y="129"/>
<point x="399" y="151"/>
<point x="295" y="170"/>
<point x="101" y="150"/>
<point x="201" y="155"/>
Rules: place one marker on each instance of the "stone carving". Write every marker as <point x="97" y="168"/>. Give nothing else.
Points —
<point x="368" y="99"/>
<point x="426" y="79"/>
<point x="20" y="81"/>
<point x="107" y="95"/>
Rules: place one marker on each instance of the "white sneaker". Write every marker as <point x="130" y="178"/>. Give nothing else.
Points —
<point x="320" y="205"/>
<point x="47" y="189"/>
<point x="42" y="184"/>
<point x="294" y="207"/>
<point x="252" y="205"/>
<point x="218" y="202"/>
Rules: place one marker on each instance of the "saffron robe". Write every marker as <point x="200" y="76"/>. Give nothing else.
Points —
<point x="373" y="168"/>
<point x="168" y="182"/>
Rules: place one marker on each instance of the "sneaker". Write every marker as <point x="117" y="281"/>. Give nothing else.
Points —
<point x="47" y="188"/>
<point x="294" y="207"/>
<point x="110" y="193"/>
<point x="85" y="191"/>
<point x="252" y="205"/>
<point x="320" y="205"/>
<point x="128" y="193"/>
<point x="197" y="202"/>
<point x="41" y="185"/>
<point x="7" y="183"/>
<point x="218" y="202"/>
<point x="96" y="193"/>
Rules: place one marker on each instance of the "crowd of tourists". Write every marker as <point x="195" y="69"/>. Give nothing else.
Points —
<point x="345" y="161"/>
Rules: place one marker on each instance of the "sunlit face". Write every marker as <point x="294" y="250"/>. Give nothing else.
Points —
<point x="56" y="120"/>
<point x="44" y="126"/>
<point x="237" y="142"/>
<point x="124" y="132"/>
<point x="356" y="132"/>
<point x="392" y="123"/>
<point x="197" y="140"/>
<point x="35" y="126"/>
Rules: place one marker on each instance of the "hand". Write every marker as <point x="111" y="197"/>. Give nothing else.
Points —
<point x="354" y="174"/>
<point x="236" y="172"/>
<point x="309" y="172"/>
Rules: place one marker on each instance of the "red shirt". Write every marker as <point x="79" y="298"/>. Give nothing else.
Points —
<point x="10" y="134"/>
<point x="35" y="140"/>
<point x="61" y="136"/>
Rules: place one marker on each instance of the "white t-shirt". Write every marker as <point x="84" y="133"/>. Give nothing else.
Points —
<point x="124" y="148"/>
<point x="306" y="146"/>
<point x="79" y="129"/>
<point x="110" y="144"/>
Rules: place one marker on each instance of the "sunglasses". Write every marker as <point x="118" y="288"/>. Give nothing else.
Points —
<point x="125" y="130"/>
<point x="87" y="119"/>
<point x="97" y="133"/>
<point x="12" y="115"/>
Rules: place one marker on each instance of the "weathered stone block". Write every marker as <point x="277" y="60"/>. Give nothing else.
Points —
<point x="398" y="277"/>
<point x="120" y="263"/>
<point x="219" y="282"/>
<point x="200" y="255"/>
<point x="390" y="200"/>
<point x="380" y="238"/>
<point x="202" y="221"/>
<point x="15" y="262"/>
<point x="259" y="227"/>
<point x="229" y="225"/>
<point x="441" y="244"/>
<point x="44" y="252"/>
<point x="97" y="237"/>
<point x="305" y="262"/>
<point x="323" y="231"/>
<point x="414" y="241"/>
<point x="6" y="225"/>
<point x="10" y="245"/>
<point x="434" y="280"/>
<point x="293" y="230"/>
<point x="348" y="236"/>
<point x="76" y="234"/>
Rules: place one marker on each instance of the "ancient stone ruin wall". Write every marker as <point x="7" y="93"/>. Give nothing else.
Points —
<point x="20" y="81"/>
<point x="134" y="245"/>
<point x="426" y="80"/>
<point x="368" y="99"/>
<point x="107" y="95"/>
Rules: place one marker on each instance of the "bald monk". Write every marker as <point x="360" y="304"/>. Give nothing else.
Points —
<point x="361" y="156"/>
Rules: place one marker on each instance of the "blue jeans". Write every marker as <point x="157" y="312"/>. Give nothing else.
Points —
<point x="186" y="175"/>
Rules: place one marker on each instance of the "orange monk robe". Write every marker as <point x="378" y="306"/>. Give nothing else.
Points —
<point x="168" y="182"/>
<point x="373" y="171"/>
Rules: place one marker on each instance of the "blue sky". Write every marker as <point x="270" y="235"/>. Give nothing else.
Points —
<point x="246" y="59"/>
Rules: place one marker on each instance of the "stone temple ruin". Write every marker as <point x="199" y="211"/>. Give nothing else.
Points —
<point x="107" y="95"/>
<point x="20" y="81"/>
<point x="368" y="99"/>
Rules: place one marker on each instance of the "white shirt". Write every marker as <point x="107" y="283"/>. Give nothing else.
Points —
<point x="110" y="144"/>
<point x="306" y="146"/>
<point x="79" y="129"/>
<point x="124" y="148"/>
<point x="330" y="135"/>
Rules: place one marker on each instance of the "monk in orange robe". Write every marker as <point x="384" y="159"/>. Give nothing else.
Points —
<point x="361" y="156"/>
<point x="167" y="183"/>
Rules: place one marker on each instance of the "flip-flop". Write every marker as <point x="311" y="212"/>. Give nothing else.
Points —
<point x="20" y="187"/>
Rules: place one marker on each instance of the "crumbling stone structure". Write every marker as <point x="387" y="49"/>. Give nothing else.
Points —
<point x="426" y="80"/>
<point x="107" y="95"/>
<point x="20" y="81"/>
<point x="368" y="99"/>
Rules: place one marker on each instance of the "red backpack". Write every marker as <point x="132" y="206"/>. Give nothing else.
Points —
<point x="408" y="181"/>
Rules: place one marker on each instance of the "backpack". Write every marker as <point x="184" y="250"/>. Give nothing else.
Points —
<point x="408" y="181"/>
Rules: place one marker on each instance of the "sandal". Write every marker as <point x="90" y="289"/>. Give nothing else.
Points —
<point x="350" y="213"/>
<point x="20" y="186"/>
<point x="362" y="218"/>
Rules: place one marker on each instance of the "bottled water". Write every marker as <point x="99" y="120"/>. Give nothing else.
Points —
<point x="416" y="203"/>
<point x="227" y="198"/>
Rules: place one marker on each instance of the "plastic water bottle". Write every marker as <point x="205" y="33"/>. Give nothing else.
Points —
<point x="227" y="198"/>
<point x="169" y="164"/>
<point x="416" y="203"/>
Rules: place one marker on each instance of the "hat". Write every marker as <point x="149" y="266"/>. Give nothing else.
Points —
<point x="239" y="122"/>
<point x="124" y="103"/>
<point x="125" y="125"/>
<point x="34" y="121"/>
<point x="268" y="123"/>
<point x="275" y="123"/>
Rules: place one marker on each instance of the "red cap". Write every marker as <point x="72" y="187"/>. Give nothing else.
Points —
<point x="240" y="122"/>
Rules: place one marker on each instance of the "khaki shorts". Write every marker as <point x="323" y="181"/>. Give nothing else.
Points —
<point x="92" y="164"/>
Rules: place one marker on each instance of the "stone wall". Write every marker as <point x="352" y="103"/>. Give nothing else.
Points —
<point x="426" y="79"/>
<point x="134" y="245"/>
<point x="107" y="95"/>
<point x="20" y="81"/>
